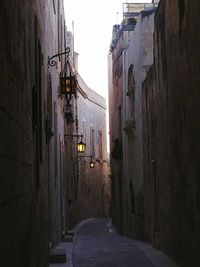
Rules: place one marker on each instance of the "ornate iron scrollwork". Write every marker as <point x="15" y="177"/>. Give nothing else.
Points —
<point x="52" y="62"/>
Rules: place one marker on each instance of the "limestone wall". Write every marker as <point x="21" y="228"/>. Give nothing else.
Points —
<point x="30" y="32"/>
<point x="171" y="118"/>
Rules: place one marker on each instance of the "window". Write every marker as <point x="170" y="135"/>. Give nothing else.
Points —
<point x="131" y="89"/>
<point x="49" y="109"/>
<point x="84" y="132"/>
<point x="55" y="144"/>
<point x="130" y="125"/>
<point x="54" y="7"/>
<point x="100" y="145"/>
<point x="132" y="197"/>
<point x="120" y="123"/>
<point x="92" y="141"/>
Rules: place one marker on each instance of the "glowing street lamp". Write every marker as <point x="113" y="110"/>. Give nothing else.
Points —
<point x="81" y="146"/>
<point x="68" y="82"/>
<point x="92" y="163"/>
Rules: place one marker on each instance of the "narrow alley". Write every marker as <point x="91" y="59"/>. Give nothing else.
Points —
<point x="97" y="244"/>
<point x="108" y="176"/>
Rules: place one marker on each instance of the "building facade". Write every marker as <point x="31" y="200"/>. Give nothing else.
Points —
<point x="31" y="131"/>
<point x="115" y="60"/>
<point x="130" y="58"/>
<point x="90" y="186"/>
<point x="171" y="133"/>
<point x="45" y="187"/>
<point x="137" y="61"/>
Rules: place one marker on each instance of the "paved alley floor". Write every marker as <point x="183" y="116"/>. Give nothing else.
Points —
<point x="97" y="244"/>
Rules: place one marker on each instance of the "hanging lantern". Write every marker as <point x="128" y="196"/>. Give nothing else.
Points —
<point x="68" y="85"/>
<point x="92" y="163"/>
<point x="81" y="146"/>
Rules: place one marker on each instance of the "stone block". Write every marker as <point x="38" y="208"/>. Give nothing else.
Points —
<point x="71" y="232"/>
<point x="57" y="256"/>
<point x="68" y="238"/>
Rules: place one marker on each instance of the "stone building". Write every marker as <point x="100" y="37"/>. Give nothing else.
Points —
<point x="131" y="56"/>
<point x="88" y="187"/>
<point x="31" y="131"/>
<point x="171" y="132"/>
<point x="138" y="58"/>
<point x="115" y="70"/>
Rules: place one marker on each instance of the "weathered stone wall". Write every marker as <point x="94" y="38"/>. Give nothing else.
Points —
<point x="129" y="62"/>
<point x="56" y="41"/>
<point x="116" y="61"/>
<point x="92" y="183"/>
<point x="171" y="115"/>
<point x="28" y="35"/>
<point x="137" y="61"/>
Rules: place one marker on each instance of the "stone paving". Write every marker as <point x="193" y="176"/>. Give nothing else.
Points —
<point x="67" y="246"/>
<point x="97" y="244"/>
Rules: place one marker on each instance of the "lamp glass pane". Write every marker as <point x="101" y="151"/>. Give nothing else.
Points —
<point x="92" y="164"/>
<point x="81" y="147"/>
<point x="68" y="86"/>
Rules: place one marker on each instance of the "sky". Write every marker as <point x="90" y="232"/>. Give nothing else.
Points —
<point x="93" y="21"/>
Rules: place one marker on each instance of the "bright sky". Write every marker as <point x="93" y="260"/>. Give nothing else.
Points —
<point x="93" y="21"/>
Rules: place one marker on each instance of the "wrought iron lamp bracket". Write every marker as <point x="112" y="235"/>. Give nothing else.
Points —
<point x="73" y="135"/>
<point x="92" y="162"/>
<point x="52" y="62"/>
<point x="81" y="157"/>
